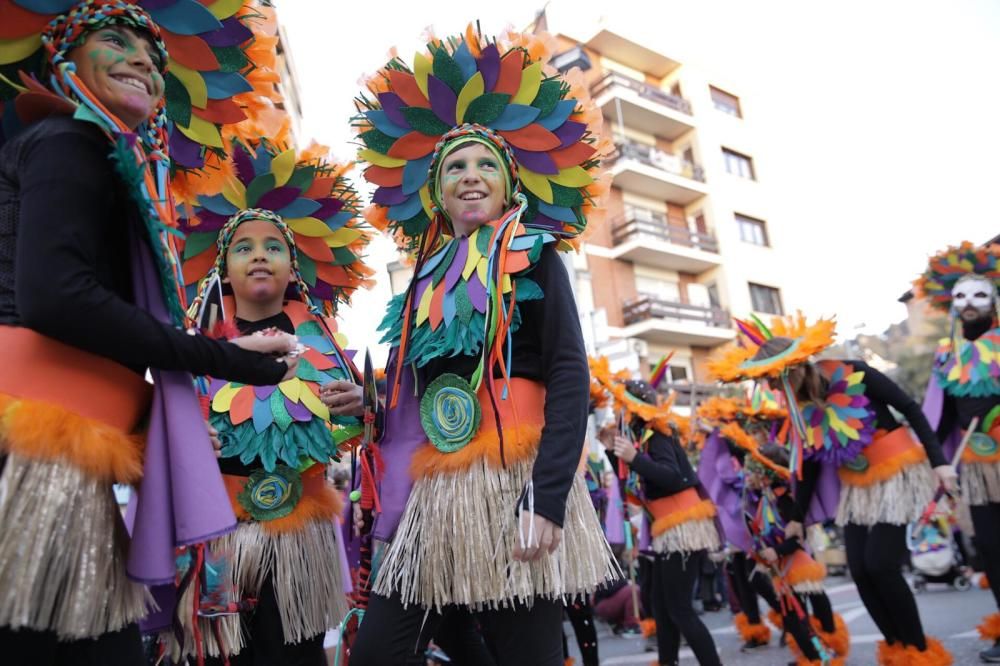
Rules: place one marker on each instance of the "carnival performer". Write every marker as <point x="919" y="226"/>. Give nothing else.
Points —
<point x="89" y="300"/>
<point x="844" y="442"/>
<point x="485" y="167"/>
<point x="721" y="472"/>
<point x="683" y="527"/>
<point x="965" y="388"/>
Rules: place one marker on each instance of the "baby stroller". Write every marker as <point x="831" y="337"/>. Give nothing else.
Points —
<point x="934" y="555"/>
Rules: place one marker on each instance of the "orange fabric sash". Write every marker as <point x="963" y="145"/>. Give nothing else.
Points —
<point x="800" y="567"/>
<point x="682" y="507"/>
<point x="38" y="368"/>
<point x="319" y="501"/>
<point x="970" y="456"/>
<point x="522" y="416"/>
<point x="888" y="454"/>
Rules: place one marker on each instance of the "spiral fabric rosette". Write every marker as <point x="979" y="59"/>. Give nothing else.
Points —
<point x="494" y="88"/>
<point x="450" y="413"/>
<point x="949" y="266"/>
<point x="844" y="424"/>
<point x="306" y="193"/>
<point x="271" y="495"/>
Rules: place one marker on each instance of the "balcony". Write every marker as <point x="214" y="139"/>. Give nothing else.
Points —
<point x="669" y="322"/>
<point x="644" y="237"/>
<point x="638" y="105"/>
<point x="649" y="171"/>
<point x="617" y="46"/>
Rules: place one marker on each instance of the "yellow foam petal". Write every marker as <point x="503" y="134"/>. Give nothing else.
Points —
<point x="472" y="260"/>
<point x="378" y="159"/>
<point x="573" y="177"/>
<point x="308" y="226"/>
<point x="282" y="167"/>
<point x="421" y="70"/>
<point x="506" y="283"/>
<point x="224" y="398"/>
<point x="424" y="305"/>
<point x="531" y="79"/>
<point x="425" y="199"/>
<point x="472" y="89"/>
<point x="343" y="237"/>
<point x="203" y="132"/>
<point x="223" y="9"/>
<point x="15" y="50"/>
<point x="291" y="388"/>
<point x="538" y="184"/>
<point x="314" y="404"/>
<point x="193" y="83"/>
<point x="235" y="192"/>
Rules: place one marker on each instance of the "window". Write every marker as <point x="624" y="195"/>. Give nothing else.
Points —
<point x="657" y="288"/>
<point x="725" y="102"/>
<point x="765" y="299"/>
<point x="738" y="164"/>
<point x="752" y="231"/>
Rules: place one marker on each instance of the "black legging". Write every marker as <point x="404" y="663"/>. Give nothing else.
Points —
<point x="645" y="579"/>
<point x="986" y="520"/>
<point x="581" y="616"/>
<point x="459" y="636"/>
<point x="391" y="635"/>
<point x="673" y="586"/>
<point x="875" y="558"/>
<point x="750" y="584"/>
<point x="27" y="647"/>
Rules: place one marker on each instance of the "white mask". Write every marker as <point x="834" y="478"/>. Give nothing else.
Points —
<point x="973" y="291"/>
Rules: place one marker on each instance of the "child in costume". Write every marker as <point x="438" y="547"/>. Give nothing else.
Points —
<point x="683" y="527"/>
<point x="89" y="301"/>
<point x="485" y="167"/>
<point x="284" y="240"/>
<point x="965" y="387"/>
<point x="844" y="440"/>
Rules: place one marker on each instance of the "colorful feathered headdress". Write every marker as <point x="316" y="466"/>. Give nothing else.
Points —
<point x="735" y="362"/>
<point x="308" y="198"/>
<point x="502" y="92"/>
<point x="742" y="439"/>
<point x="660" y="417"/>
<point x="947" y="267"/>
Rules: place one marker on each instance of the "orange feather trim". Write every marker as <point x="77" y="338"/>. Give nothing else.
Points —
<point x="909" y="655"/>
<point x="702" y="510"/>
<point x="885" y="653"/>
<point x="738" y="436"/>
<point x="727" y="364"/>
<point x="970" y="456"/>
<point x="519" y="443"/>
<point x="322" y="506"/>
<point x="839" y="640"/>
<point x="800" y="659"/>
<point x="648" y="627"/>
<point x="984" y="582"/>
<point x="989" y="629"/>
<point x="45" y="431"/>
<point x="884" y="470"/>
<point x="751" y="632"/>
<point x="804" y="569"/>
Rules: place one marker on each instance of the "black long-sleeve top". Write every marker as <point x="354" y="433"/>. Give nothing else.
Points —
<point x="882" y="393"/>
<point x="664" y="467"/>
<point x="548" y="348"/>
<point x="789" y="511"/>
<point x="65" y="220"/>
<point x="958" y="411"/>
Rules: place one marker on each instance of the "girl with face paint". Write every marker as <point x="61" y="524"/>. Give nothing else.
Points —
<point x="848" y="450"/>
<point x="964" y="394"/>
<point x="89" y="302"/>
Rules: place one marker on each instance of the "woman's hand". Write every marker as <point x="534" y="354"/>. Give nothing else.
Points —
<point x="947" y="477"/>
<point x="343" y="398"/>
<point x="545" y="534"/>
<point x="213" y="436"/>
<point x="624" y="449"/>
<point x="769" y="554"/>
<point x="794" y="529"/>
<point x="277" y="343"/>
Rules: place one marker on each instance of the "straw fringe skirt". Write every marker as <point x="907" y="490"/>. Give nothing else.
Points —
<point x="306" y="572"/>
<point x="455" y="541"/>
<point x="688" y="537"/>
<point x="898" y="500"/>
<point x="980" y="482"/>
<point x="62" y="552"/>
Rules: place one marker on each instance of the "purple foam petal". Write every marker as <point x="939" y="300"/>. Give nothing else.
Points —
<point x="454" y="272"/>
<point x="232" y="33"/>
<point x="215" y="385"/>
<point x="321" y="290"/>
<point x="263" y="392"/>
<point x="392" y="105"/>
<point x="421" y="286"/>
<point x="244" y="166"/>
<point x="328" y="208"/>
<point x="351" y="353"/>
<point x="488" y="64"/>
<point x="443" y="100"/>
<point x="184" y="151"/>
<point x="537" y="162"/>
<point x="298" y="411"/>
<point x="389" y="196"/>
<point x="210" y="221"/>
<point x="278" y="198"/>
<point x="542" y="220"/>
<point x="477" y="293"/>
<point x="570" y="132"/>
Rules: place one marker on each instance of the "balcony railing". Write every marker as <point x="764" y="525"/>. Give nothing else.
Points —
<point x="644" y="90"/>
<point x="691" y="394"/>
<point x="650" y="307"/>
<point x="640" y="223"/>
<point x="655" y="157"/>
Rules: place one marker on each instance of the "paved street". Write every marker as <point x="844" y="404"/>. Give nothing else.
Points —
<point x="947" y="614"/>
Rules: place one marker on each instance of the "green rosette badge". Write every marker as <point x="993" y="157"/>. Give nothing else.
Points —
<point x="450" y="413"/>
<point x="271" y="495"/>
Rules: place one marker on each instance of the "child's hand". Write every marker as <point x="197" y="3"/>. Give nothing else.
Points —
<point x="793" y="529"/>
<point x="624" y="449"/>
<point x="213" y="436"/>
<point x="769" y="554"/>
<point x="343" y="398"/>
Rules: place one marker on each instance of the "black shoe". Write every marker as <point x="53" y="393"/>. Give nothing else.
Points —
<point x="651" y="645"/>
<point x="753" y="644"/>
<point x="991" y="656"/>
<point x="712" y="606"/>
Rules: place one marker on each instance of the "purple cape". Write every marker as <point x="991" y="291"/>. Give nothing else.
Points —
<point x="723" y="485"/>
<point x="614" y="518"/>
<point x="181" y="499"/>
<point x="933" y="406"/>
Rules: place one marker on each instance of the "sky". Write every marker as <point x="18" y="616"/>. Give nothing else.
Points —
<point x="878" y="121"/>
